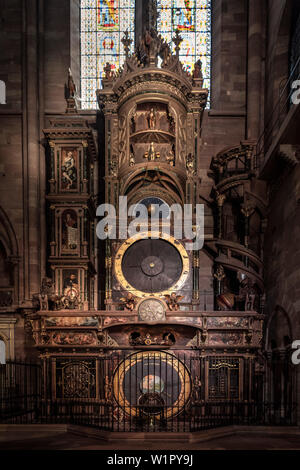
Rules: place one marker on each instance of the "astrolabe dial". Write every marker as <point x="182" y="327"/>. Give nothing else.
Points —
<point x="153" y="383"/>
<point x="151" y="310"/>
<point x="155" y="266"/>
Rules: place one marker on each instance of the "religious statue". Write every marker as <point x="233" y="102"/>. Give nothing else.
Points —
<point x="165" y="53"/>
<point x="128" y="301"/>
<point x="170" y="157"/>
<point x="171" y="122"/>
<point x="71" y="85"/>
<point x="190" y="164"/>
<point x="114" y="169"/>
<point x="132" y="125"/>
<point x="151" y="118"/>
<point x="172" y="301"/>
<point x="197" y="72"/>
<point x="151" y="155"/>
<point x="247" y="294"/>
<point x="131" y="159"/>
<point x="109" y="73"/>
<point x="141" y="50"/>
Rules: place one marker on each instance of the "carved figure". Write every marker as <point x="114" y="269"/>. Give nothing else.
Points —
<point x="132" y="125"/>
<point x="151" y="154"/>
<point x="247" y="294"/>
<point x="197" y="72"/>
<point x="71" y="85"/>
<point x="190" y="164"/>
<point x="151" y="118"/>
<point x="129" y="302"/>
<point x="109" y="73"/>
<point x="131" y="160"/>
<point x="172" y="301"/>
<point x="170" y="157"/>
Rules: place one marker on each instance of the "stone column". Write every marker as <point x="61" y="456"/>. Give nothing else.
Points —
<point x="33" y="171"/>
<point x="254" y="68"/>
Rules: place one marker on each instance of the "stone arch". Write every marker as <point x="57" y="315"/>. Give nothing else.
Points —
<point x="134" y="182"/>
<point x="9" y="254"/>
<point x="280" y="373"/>
<point x="279" y="330"/>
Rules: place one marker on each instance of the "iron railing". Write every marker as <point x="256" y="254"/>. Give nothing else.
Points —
<point x="26" y="396"/>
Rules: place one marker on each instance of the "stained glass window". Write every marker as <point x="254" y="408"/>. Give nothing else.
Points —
<point x="103" y="23"/>
<point x="192" y="18"/>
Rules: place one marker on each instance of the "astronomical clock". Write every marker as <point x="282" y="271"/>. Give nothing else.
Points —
<point x="141" y="322"/>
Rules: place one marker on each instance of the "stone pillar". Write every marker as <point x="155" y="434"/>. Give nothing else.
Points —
<point x="254" y="68"/>
<point x="33" y="171"/>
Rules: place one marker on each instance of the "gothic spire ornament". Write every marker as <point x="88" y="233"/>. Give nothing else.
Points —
<point x="126" y="41"/>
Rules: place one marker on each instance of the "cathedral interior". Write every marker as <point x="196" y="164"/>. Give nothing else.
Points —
<point x="165" y="103"/>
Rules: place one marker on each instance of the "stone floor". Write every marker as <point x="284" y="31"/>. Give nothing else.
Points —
<point x="62" y="438"/>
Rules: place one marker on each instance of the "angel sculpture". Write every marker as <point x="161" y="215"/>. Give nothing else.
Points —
<point x="172" y="301"/>
<point x="129" y="302"/>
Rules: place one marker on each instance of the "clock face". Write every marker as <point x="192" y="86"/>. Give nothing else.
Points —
<point x="151" y="310"/>
<point x="151" y="266"/>
<point x="152" y="383"/>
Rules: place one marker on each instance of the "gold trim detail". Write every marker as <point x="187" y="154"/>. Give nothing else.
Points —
<point x="155" y="235"/>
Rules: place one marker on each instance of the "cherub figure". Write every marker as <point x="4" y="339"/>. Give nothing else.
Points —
<point x="129" y="302"/>
<point x="172" y="301"/>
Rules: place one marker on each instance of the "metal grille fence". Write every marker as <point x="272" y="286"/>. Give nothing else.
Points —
<point x="147" y="391"/>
